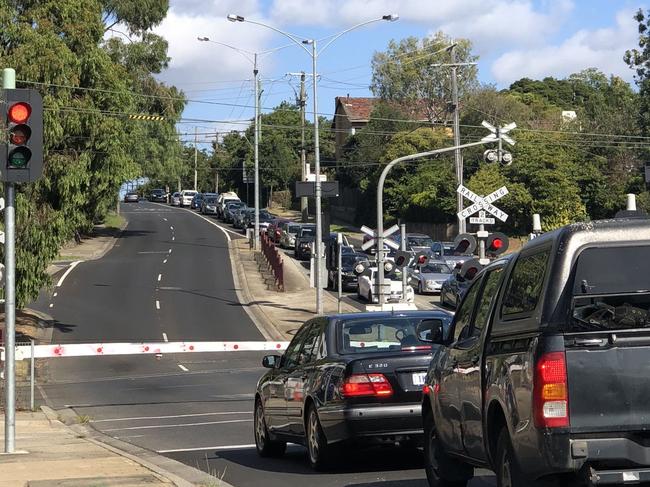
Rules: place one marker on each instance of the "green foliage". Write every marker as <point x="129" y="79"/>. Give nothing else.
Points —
<point x="89" y="86"/>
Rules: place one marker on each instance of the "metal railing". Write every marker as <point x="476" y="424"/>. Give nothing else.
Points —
<point x="274" y="260"/>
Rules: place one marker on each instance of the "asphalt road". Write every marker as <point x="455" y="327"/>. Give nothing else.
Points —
<point x="169" y="276"/>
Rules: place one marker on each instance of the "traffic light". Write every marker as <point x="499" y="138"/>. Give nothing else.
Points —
<point x="497" y="243"/>
<point x="22" y="151"/>
<point x="465" y="244"/>
<point x="402" y="258"/>
<point x="469" y="269"/>
<point x="421" y="258"/>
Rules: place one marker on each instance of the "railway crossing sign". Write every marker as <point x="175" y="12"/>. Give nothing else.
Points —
<point x="372" y="241"/>
<point x="499" y="132"/>
<point x="483" y="204"/>
<point x="482" y="219"/>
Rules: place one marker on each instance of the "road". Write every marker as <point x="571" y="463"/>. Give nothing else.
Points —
<point x="169" y="277"/>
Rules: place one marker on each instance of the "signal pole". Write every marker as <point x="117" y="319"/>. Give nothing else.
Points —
<point x="457" y="154"/>
<point x="9" y="83"/>
<point x="196" y="154"/>
<point x="304" y="202"/>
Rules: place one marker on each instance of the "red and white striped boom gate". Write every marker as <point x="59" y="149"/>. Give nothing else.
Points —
<point x="157" y="348"/>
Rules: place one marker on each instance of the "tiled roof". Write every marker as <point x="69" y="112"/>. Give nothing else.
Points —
<point x="359" y="109"/>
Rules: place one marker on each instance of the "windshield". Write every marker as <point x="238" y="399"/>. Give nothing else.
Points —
<point x="158" y="191"/>
<point x="382" y="334"/>
<point x="211" y="200"/>
<point x="420" y="242"/>
<point x="449" y="250"/>
<point x="307" y="231"/>
<point x="611" y="290"/>
<point x="435" y="268"/>
<point x="293" y="228"/>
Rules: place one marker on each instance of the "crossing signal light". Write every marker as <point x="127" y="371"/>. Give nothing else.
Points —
<point x="469" y="269"/>
<point x="465" y="244"/>
<point x="402" y="258"/>
<point x="421" y="258"/>
<point x="497" y="243"/>
<point x="22" y="149"/>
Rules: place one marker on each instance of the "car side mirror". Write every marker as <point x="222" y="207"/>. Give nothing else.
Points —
<point x="431" y="331"/>
<point x="271" y="361"/>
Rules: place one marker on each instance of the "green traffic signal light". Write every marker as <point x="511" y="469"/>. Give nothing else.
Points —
<point x="19" y="158"/>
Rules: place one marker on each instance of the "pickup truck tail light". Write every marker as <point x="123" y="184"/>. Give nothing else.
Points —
<point x="358" y="385"/>
<point x="551" y="391"/>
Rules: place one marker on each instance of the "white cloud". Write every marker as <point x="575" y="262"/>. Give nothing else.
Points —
<point x="486" y="22"/>
<point x="194" y="63"/>
<point x="601" y="48"/>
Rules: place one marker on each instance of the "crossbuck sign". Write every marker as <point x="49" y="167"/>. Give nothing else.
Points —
<point x="481" y="203"/>
<point x="372" y="241"/>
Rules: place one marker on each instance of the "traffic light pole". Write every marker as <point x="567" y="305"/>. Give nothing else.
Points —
<point x="9" y="83"/>
<point x="402" y="230"/>
<point x="380" y="205"/>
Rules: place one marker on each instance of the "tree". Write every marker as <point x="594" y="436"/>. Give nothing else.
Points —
<point x="407" y="73"/>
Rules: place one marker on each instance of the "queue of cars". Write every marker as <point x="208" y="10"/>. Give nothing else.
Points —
<point x="540" y="375"/>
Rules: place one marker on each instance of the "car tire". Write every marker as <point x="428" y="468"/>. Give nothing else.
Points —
<point x="263" y="444"/>
<point x="507" y="470"/>
<point x="319" y="453"/>
<point x="441" y="469"/>
<point x="420" y="288"/>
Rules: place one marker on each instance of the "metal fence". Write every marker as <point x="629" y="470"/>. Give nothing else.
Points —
<point x="273" y="259"/>
<point x="26" y="376"/>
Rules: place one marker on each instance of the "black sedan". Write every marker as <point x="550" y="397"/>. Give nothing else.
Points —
<point x="349" y="378"/>
<point x="349" y="279"/>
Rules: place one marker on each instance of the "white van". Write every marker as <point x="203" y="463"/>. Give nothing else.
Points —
<point x="186" y="197"/>
<point x="223" y="199"/>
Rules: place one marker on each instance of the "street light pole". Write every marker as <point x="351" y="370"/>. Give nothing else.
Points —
<point x="457" y="154"/>
<point x="257" y="154"/>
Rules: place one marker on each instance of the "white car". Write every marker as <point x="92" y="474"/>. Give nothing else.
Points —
<point x="367" y="288"/>
<point x="223" y="199"/>
<point x="187" y="196"/>
<point x="175" y="200"/>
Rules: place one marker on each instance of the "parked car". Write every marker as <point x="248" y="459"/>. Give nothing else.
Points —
<point x="445" y="251"/>
<point x="289" y="232"/>
<point x="223" y="199"/>
<point x="415" y="242"/>
<point x="158" y="196"/>
<point x="349" y="279"/>
<point x="175" y="199"/>
<point x="229" y="209"/>
<point x="304" y="238"/>
<point x="265" y="219"/>
<point x="131" y="197"/>
<point x="544" y="377"/>
<point x="367" y="288"/>
<point x="209" y="205"/>
<point x="196" y="201"/>
<point x="186" y="197"/>
<point x="274" y="231"/>
<point x="455" y="287"/>
<point x="428" y="278"/>
<point x="239" y="216"/>
<point x="349" y="378"/>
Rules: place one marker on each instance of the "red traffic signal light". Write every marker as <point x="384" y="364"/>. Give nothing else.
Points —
<point x="22" y="153"/>
<point x="497" y="243"/>
<point x="464" y="244"/>
<point x="402" y="258"/>
<point x="421" y="258"/>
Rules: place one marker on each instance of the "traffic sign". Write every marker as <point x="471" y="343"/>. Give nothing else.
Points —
<point x="499" y="133"/>
<point x="482" y="219"/>
<point x="372" y="241"/>
<point x="483" y="203"/>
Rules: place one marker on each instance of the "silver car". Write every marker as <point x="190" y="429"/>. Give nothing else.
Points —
<point x="175" y="200"/>
<point x="429" y="277"/>
<point x="209" y="205"/>
<point x="288" y="236"/>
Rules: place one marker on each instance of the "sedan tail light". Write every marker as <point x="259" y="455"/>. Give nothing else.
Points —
<point x="358" y="385"/>
<point x="551" y="392"/>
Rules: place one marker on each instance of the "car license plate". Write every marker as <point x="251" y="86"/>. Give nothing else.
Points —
<point x="418" y="378"/>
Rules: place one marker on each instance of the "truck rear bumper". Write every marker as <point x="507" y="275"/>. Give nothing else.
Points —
<point x="612" y="461"/>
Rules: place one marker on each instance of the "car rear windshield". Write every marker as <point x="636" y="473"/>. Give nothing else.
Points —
<point x="365" y="335"/>
<point x="211" y="200"/>
<point x="420" y="242"/>
<point x="435" y="268"/>
<point x="158" y="191"/>
<point x="293" y="228"/>
<point x="611" y="289"/>
<point x="307" y="231"/>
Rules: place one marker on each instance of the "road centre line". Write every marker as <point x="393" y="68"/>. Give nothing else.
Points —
<point x="173" y="238"/>
<point x="158" y="307"/>
<point x="171" y="228"/>
<point x="51" y="305"/>
<point x="169" y="251"/>
<point x="55" y="295"/>
<point x="165" y="219"/>
<point x="165" y="261"/>
<point x="68" y="271"/>
<point x="183" y="425"/>
<point x="165" y="337"/>
<point x="204" y="448"/>
<point x="183" y="368"/>
<point x="173" y="416"/>
<point x="159" y="277"/>
<point x="153" y="252"/>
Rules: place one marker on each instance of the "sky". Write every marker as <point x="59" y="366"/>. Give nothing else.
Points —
<point x="513" y="39"/>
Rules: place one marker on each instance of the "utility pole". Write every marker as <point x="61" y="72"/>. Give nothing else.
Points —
<point x="304" y="201"/>
<point x="256" y="238"/>
<point x="9" y="83"/>
<point x="196" y="154"/>
<point x="457" y="154"/>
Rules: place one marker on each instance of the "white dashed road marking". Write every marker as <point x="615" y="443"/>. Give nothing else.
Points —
<point x="158" y="307"/>
<point x="164" y="335"/>
<point x="183" y="368"/>
<point x="65" y="274"/>
<point x="137" y="418"/>
<point x="159" y="277"/>
<point x="203" y="448"/>
<point x="184" y="425"/>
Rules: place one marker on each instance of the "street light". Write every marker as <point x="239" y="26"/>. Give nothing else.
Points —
<point x="314" y="53"/>
<point x="252" y="58"/>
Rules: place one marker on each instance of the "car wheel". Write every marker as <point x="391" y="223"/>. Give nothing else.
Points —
<point x="263" y="444"/>
<point x="441" y="470"/>
<point x="318" y="451"/>
<point x="420" y="288"/>
<point x="507" y="470"/>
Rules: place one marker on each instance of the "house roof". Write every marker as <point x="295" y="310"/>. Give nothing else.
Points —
<point x="359" y="109"/>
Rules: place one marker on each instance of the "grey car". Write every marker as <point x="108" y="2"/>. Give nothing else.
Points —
<point x="428" y="278"/>
<point x="209" y="205"/>
<point x="445" y="251"/>
<point x="131" y="197"/>
<point x="229" y="210"/>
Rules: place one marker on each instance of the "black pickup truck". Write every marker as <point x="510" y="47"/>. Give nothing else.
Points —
<point x="546" y="376"/>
